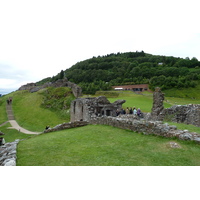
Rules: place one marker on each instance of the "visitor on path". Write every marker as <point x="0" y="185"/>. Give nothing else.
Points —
<point x="8" y="101"/>
<point x="123" y="112"/>
<point x="47" y="127"/>
<point x="134" y="111"/>
<point x="2" y="141"/>
<point x="131" y="111"/>
<point x="117" y="112"/>
<point x="127" y="111"/>
<point x="139" y="112"/>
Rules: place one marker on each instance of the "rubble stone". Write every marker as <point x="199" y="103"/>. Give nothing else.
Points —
<point x="32" y="87"/>
<point x="8" y="153"/>
<point x="86" y="108"/>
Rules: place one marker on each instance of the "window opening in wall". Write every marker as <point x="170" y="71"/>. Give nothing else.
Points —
<point x="74" y="107"/>
<point x="107" y="112"/>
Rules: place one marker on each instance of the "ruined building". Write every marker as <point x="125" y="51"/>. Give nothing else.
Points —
<point x="83" y="109"/>
<point x="158" y="98"/>
<point x="188" y="114"/>
<point x="32" y="87"/>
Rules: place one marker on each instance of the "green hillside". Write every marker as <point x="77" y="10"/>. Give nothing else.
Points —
<point x="34" y="111"/>
<point x="93" y="145"/>
<point x="102" y="72"/>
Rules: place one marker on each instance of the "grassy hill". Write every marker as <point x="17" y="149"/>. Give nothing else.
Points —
<point x="192" y="93"/>
<point x="34" y="111"/>
<point x="94" y="144"/>
<point x="102" y="72"/>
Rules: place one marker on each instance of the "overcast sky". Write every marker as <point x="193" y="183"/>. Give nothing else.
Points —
<point x="39" y="38"/>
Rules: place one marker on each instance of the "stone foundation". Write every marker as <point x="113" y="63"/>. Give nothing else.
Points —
<point x="187" y="114"/>
<point x="147" y="127"/>
<point x="66" y="126"/>
<point x="8" y="154"/>
<point x="32" y="87"/>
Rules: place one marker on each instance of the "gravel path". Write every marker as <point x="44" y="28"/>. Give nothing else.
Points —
<point x="13" y="122"/>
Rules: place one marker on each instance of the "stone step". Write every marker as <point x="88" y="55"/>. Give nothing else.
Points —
<point x="11" y="117"/>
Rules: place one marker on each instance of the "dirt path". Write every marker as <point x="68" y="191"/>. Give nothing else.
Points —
<point x="16" y="126"/>
<point x="14" y="123"/>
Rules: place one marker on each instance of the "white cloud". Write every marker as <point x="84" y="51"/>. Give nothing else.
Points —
<point x="43" y="37"/>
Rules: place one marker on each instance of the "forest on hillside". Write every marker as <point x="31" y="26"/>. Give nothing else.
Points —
<point x="102" y="72"/>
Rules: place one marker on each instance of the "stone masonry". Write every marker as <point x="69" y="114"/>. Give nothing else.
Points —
<point x="147" y="127"/>
<point x="66" y="126"/>
<point x="8" y="154"/>
<point x="188" y="114"/>
<point x="83" y="109"/>
<point x="158" y="98"/>
<point x="32" y="87"/>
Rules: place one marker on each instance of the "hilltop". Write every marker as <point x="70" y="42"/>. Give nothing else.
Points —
<point x="102" y="72"/>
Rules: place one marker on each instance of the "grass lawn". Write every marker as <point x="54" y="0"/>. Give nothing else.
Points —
<point x="98" y="145"/>
<point x="30" y="115"/>
<point x="12" y="134"/>
<point x="3" y="114"/>
<point x="144" y="102"/>
<point x="188" y="127"/>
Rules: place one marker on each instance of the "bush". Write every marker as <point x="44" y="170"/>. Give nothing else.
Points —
<point x="57" y="98"/>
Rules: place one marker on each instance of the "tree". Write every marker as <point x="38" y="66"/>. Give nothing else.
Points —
<point x="62" y="74"/>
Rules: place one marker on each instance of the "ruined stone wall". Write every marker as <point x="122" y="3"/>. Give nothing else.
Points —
<point x="66" y="126"/>
<point x="79" y="110"/>
<point x="32" y="87"/>
<point x="188" y="114"/>
<point x="158" y="98"/>
<point x="147" y="127"/>
<point x="8" y="153"/>
<point x="86" y="108"/>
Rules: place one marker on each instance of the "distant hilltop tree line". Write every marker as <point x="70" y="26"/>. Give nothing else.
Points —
<point x="102" y="72"/>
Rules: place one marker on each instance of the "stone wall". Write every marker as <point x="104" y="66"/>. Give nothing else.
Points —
<point x="147" y="127"/>
<point x="85" y="108"/>
<point x="66" y="126"/>
<point x="8" y="154"/>
<point x="188" y="114"/>
<point x="158" y="98"/>
<point x="32" y="87"/>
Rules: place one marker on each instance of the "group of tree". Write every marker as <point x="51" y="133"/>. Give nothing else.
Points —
<point x="102" y="72"/>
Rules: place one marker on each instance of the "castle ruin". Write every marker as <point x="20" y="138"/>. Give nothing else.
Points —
<point x="83" y="109"/>
<point x="33" y="87"/>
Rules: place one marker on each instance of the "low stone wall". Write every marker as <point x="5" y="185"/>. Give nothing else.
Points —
<point x="147" y="127"/>
<point x="67" y="126"/>
<point x="188" y="114"/>
<point x="8" y="154"/>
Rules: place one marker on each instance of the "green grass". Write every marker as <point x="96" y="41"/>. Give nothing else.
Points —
<point x="188" y="127"/>
<point x="3" y="114"/>
<point x="30" y="115"/>
<point x="190" y="94"/>
<point x="12" y="134"/>
<point x="98" y="145"/>
<point x="93" y="145"/>
<point x="181" y="101"/>
<point x="144" y="102"/>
